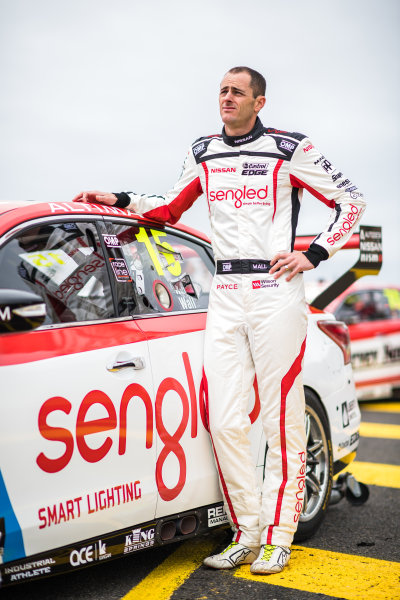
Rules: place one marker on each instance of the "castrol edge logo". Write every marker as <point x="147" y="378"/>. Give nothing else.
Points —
<point x="239" y="195"/>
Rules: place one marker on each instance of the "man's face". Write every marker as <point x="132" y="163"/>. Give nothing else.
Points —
<point x="237" y="105"/>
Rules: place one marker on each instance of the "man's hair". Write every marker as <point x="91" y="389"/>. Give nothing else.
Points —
<point x="257" y="83"/>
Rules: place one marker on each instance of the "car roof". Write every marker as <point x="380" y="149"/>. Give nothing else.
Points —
<point x="359" y="286"/>
<point x="14" y="213"/>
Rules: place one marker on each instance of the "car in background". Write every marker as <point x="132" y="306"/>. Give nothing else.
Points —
<point x="104" y="448"/>
<point x="372" y="314"/>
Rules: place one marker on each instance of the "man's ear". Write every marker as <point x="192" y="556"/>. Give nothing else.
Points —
<point x="260" y="103"/>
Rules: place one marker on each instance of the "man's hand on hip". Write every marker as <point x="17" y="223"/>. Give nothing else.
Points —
<point x="96" y="196"/>
<point x="291" y="263"/>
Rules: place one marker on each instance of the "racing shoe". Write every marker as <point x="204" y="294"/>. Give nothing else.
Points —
<point x="272" y="559"/>
<point x="233" y="556"/>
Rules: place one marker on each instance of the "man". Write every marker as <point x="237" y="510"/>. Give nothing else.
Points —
<point x="253" y="179"/>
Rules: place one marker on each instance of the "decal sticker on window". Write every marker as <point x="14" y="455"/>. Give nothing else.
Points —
<point x="165" y="254"/>
<point x="55" y="264"/>
<point x="120" y="269"/>
<point x="111" y="241"/>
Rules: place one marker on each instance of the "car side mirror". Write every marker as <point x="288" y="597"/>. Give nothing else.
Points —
<point x="20" y="311"/>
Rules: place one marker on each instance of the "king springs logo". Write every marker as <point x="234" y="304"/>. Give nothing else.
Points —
<point x="240" y="195"/>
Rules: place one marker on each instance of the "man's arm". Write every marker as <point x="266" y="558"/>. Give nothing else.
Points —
<point x="167" y="208"/>
<point x="312" y="171"/>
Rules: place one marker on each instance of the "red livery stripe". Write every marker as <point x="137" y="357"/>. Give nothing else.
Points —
<point x="19" y="348"/>
<point x="372" y="329"/>
<point x="379" y="381"/>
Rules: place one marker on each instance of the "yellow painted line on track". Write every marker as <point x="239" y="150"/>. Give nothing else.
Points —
<point x="380" y="430"/>
<point x="393" y="407"/>
<point x="375" y="473"/>
<point x="162" y="582"/>
<point x="334" y="574"/>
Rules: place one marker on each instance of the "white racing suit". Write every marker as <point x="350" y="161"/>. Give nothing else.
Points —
<point x="256" y="325"/>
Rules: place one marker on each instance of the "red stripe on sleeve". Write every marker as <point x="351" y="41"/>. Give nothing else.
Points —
<point x="300" y="184"/>
<point x="172" y="212"/>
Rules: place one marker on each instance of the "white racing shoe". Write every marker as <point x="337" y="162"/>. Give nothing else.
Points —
<point x="233" y="556"/>
<point x="272" y="559"/>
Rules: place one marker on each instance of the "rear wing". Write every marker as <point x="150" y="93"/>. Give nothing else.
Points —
<point x="369" y="262"/>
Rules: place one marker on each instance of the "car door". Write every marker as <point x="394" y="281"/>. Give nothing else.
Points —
<point x="172" y="272"/>
<point x="77" y="455"/>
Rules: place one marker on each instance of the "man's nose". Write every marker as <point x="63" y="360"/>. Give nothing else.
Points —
<point x="228" y="95"/>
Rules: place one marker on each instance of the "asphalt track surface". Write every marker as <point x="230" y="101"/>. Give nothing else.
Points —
<point x="354" y="555"/>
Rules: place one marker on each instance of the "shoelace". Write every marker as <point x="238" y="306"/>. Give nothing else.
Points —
<point x="268" y="550"/>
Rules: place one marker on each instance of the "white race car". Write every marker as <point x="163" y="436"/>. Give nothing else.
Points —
<point x="104" y="448"/>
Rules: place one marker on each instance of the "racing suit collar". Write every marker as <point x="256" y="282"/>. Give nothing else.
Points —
<point x="237" y="140"/>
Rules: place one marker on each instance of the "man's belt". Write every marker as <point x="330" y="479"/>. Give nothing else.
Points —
<point x="243" y="265"/>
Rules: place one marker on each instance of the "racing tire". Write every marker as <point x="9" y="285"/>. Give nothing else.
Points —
<point x="319" y="468"/>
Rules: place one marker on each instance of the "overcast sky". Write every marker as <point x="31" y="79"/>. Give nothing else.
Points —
<point x="109" y="94"/>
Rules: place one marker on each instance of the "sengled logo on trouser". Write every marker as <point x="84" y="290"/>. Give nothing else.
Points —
<point x="301" y="484"/>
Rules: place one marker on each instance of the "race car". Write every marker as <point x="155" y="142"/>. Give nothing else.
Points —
<point x="372" y="314"/>
<point x="104" y="448"/>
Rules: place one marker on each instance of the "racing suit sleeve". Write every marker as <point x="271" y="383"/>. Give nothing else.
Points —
<point x="312" y="171"/>
<point x="167" y="208"/>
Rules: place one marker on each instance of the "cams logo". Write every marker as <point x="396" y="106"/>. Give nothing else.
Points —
<point x="217" y="516"/>
<point x="139" y="539"/>
<point x="255" y="168"/>
<point x="111" y="241"/>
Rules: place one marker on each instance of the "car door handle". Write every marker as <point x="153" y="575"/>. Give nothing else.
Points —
<point x="133" y="363"/>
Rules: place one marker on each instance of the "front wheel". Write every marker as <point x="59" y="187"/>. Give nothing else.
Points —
<point x="319" y="470"/>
